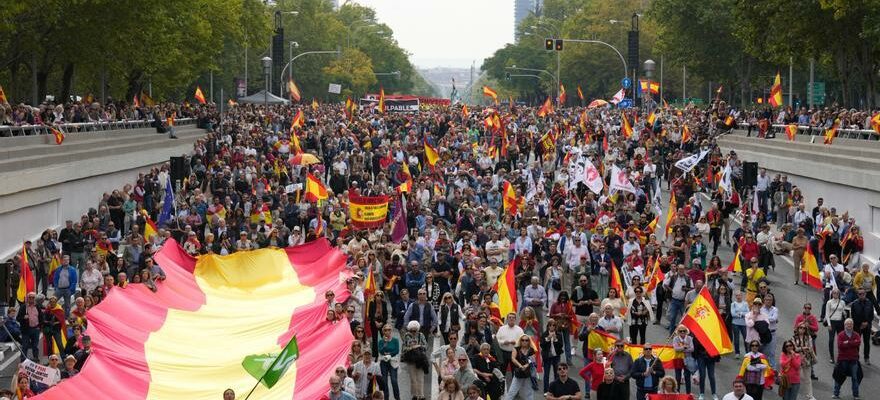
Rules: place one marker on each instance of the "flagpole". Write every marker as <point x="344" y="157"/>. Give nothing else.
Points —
<point x="255" y="386"/>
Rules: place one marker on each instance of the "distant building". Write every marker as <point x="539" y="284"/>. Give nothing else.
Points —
<point x="522" y="9"/>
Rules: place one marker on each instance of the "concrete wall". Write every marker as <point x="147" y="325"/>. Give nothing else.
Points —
<point x="847" y="188"/>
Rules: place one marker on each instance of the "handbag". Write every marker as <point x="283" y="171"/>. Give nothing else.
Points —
<point x="783" y="382"/>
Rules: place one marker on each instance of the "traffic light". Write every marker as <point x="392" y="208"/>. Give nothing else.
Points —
<point x="548" y="44"/>
<point x="507" y="75"/>
<point x="558" y="44"/>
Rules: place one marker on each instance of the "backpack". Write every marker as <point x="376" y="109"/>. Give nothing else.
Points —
<point x="763" y="329"/>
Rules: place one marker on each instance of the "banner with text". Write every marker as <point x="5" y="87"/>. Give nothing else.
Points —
<point x="367" y="212"/>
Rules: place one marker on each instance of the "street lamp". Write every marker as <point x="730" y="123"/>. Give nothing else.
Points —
<point x="267" y="69"/>
<point x="355" y="22"/>
<point x="395" y="73"/>
<point x="290" y="73"/>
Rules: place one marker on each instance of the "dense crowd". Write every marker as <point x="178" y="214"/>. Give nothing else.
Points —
<point x="437" y="304"/>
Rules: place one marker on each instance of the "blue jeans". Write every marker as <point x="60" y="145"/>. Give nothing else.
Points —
<point x="739" y="331"/>
<point x="676" y="309"/>
<point x="852" y="370"/>
<point x="769" y="350"/>
<point x="30" y="340"/>
<point x="65" y="295"/>
<point x="566" y="344"/>
<point x="792" y="392"/>
<point x="550" y="364"/>
<point x="707" y="371"/>
<point x="389" y="372"/>
<point x="522" y="387"/>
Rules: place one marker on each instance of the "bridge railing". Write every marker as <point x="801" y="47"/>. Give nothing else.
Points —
<point x="30" y="130"/>
<point x="808" y="130"/>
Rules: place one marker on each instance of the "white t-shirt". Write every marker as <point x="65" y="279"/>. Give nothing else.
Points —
<point x="730" y="396"/>
<point x="507" y="334"/>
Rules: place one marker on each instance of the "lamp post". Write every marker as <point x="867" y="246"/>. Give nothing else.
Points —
<point x="289" y="73"/>
<point x="267" y="69"/>
<point x="290" y="63"/>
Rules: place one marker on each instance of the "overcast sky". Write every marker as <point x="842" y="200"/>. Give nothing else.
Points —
<point x="447" y="33"/>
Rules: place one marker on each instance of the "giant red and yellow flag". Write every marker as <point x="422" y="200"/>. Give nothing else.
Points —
<point x="179" y="345"/>
<point x="705" y="323"/>
<point x="625" y="127"/>
<point x="294" y="91"/>
<point x="506" y="289"/>
<point x="735" y="264"/>
<point x="431" y="155"/>
<point x="199" y="95"/>
<point x="487" y="91"/>
<point x="315" y="190"/>
<point x="810" y="269"/>
<point x="26" y="282"/>
<point x="367" y="212"/>
<point x="776" y="91"/>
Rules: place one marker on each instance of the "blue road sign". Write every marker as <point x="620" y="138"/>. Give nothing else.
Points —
<point x="626" y="83"/>
<point x="625" y="103"/>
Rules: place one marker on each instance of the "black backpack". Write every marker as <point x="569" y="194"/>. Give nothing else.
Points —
<point x="763" y="329"/>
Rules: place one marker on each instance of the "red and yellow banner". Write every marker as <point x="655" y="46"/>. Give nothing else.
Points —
<point x="367" y="212"/>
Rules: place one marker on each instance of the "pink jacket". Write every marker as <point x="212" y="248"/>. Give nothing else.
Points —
<point x="790" y="365"/>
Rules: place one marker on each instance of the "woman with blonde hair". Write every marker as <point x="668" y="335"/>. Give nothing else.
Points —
<point x="683" y="342"/>
<point x="521" y="360"/>
<point x="668" y="385"/>
<point x="451" y="390"/>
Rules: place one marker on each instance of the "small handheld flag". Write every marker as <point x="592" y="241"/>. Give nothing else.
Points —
<point x="268" y="368"/>
<point x="199" y="95"/>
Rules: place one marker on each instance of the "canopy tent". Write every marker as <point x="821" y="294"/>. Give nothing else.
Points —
<point x="261" y="97"/>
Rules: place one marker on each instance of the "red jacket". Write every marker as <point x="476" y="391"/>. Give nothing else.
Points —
<point x="748" y="250"/>
<point x="848" y="346"/>
<point x="810" y="320"/>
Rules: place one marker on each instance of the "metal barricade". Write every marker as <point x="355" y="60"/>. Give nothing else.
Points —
<point x="30" y="130"/>
<point x="809" y="130"/>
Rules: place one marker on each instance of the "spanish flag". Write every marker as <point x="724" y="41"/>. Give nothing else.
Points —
<point x="314" y="104"/>
<point x="791" y="131"/>
<point x="150" y="229"/>
<point x="546" y="108"/>
<point x="315" y="190"/>
<point x="776" y="91"/>
<point x="26" y="282"/>
<point x="617" y="283"/>
<point x="810" y="269"/>
<point x="134" y="101"/>
<point x="769" y="374"/>
<point x="54" y="263"/>
<point x="705" y="323"/>
<point x="654" y="87"/>
<point x="685" y="134"/>
<point x="298" y="120"/>
<point x="506" y="289"/>
<point x="653" y="224"/>
<point x="561" y="95"/>
<point x="464" y="111"/>
<point x="735" y="264"/>
<point x="294" y="140"/>
<point x="510" y="201"/>
<point x="3" y="99"/>
<point x="670" y="214"/>
<point x="830" y="133"/>
<point x="729" y="121"/>
<point x="651" y="118"/>
<point x="367" y="212"/>
<point x="487" y="91"/>
<point x="199" y="95"/>
<point x="59" y="136"/>
<point x="875" y="120"/>
<point x="369" y="283"/>
<point x="598" y="339"/>
<point x="625" y="127"/>
<point x="657" y="278"/>
<point x="580" y="93"/>
<point x="294" y="91"/>
<point x="431" y="154"/>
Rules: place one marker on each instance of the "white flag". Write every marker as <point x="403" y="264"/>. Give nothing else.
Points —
<point x="688" y="163"/>
<point x="575" y="169"/>
<point x="618" y="97"/>
<point x="592" y="178"/>
<point x="725" y="184"/>
<point x="620" y="180"/>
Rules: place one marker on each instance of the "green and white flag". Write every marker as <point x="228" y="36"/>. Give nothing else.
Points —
<point x="268" y="368"/>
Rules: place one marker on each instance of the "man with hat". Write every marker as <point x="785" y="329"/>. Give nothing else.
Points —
<point x="647" y="371"/>
<point x="622" y="364"/>
<point x="82" y="354"/>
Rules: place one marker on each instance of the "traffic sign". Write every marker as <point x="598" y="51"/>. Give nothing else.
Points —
<point x="626" y="83"/>
<point x="625" y="103"/>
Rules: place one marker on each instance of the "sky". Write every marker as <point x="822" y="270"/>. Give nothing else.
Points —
<point x="447" y="33"/>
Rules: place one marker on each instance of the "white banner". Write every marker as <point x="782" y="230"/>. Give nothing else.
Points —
<point x="688" y="163"/>
<point x="592" y="177"/>
<point x="41" y="373"/>
<point x="618" y="97"/>
<point x="575" y="168"/>
<point x="725" y="184"/>
<point x="334" y="88"/>
<point x="620" y="180"/>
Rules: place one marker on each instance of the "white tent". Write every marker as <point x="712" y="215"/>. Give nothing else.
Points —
<point x="263" y="97"/>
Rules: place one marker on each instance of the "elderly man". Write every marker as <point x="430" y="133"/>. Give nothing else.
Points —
<point x="536" y="297"/>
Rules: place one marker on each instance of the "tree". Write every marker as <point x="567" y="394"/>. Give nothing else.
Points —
<point x="354" y="69"/>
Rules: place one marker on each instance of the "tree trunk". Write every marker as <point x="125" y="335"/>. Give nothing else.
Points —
<point x="66" y="81"/>
<point x="135" y="83"/>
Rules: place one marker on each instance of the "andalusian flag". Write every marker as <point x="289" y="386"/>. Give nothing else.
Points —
<point x="315" y="190"/>
<point x="431" y="154"/>
<point x="268" y="368"/>
<point x="506" y="289"/>
<point x="546" y="108"/>
<point x="26" y="283"/>
<point x="561" y="95"/>
<point x="625" y="127"/>
<point x="59" y="136"/>
<point x="810" y="269"/>
<point x="367" y="212"/>
<point x="670" y="214"/>
<point x="735" y="264"/>
<point x="487" y="91"/>
<point x="199" y="95"/>
<point x="776" y="91"/>
<point x="298" y="120"/>
<point x="294" y="91"/>
<point x="705" y="323"/>
<point x="382" y="100"/>
<point x="150" y="229"/>
<point x="791" y="131"/>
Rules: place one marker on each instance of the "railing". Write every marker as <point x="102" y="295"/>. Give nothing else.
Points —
<point x="30" y="130"/>
<point x="807" y="130"/>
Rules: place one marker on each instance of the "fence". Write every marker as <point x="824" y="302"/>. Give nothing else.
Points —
<point x="807" y="130"/>
<point x="30" y="130"/>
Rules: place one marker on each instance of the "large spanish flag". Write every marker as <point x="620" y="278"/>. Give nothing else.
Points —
<point x="315" y="190"/>
<point x="810" y="269"/>
<point x="776" y="91"/>
<point x="704" y="321"/>
<point x="506" y="289"/>
<point x="431" y="154"/>
<point x="189" y="339"/>
<point x="367" y="212"/>
<point x="598" y="339"/>
<point x="26" y="283"/>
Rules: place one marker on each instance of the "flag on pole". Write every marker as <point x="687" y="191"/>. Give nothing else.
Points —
<point x="791" y="131"/>
<point x="314" y="104"/>
<point x="506" y="289"/>
<point x="546" y="108"/>
<point x="26" y="282"/>
<point x="670" y="214"/>
<point x="268" y="368"/>
<point x="199" y="95"/>
<point x="625" y="127"/>
<point x="382" y="100"/>
<point x="150" y="229"/>
<point x="705" y="323"/>
<point x="294" y="91"/>
<point x="399" y="226"/>
<point x="620" y="180"/>
<point x="487" y="91"/>
<point x="685" y="134"/>
<point x="561" y="95"/>
<point x="654" y="87"/>
<point x="3" y="99"/>
<point x="875" y="120"/>
<point x="810" y="269"/>
<point x="464" y="111"/>
<point x="58" y="135"/>
<point x="776" y="91"/>
<point x="617" y="283"/>
<point x="431" y="154"/>
<point x="580" y="93"/>
<point x="618" y="97"/>
<point x="135" y="101"/>
<point x="830" y="133"/>
<point x="510" y="201"/>
<point x="298" y="120"/>
<point x="167" y="203"/>
<point x="315" y="190"/>
<point x="657" y="278"/>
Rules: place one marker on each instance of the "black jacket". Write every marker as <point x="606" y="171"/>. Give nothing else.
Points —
<point x="22" y="319"/>
<point x="640" y="366"/>
<point x="862" y="311"/>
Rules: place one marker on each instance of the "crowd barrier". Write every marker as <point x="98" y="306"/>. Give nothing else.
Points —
<point x="808" y="130"/>
<point x="30" y="130"/>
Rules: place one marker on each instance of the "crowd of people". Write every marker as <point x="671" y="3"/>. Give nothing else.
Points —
<point x="436" y="312"/>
